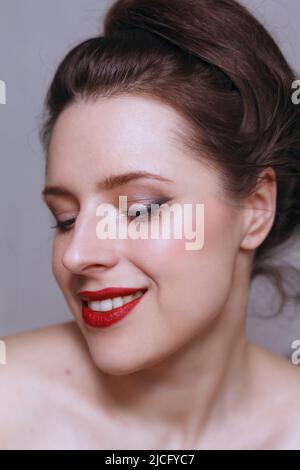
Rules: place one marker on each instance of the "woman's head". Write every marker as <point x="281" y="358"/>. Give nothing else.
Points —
<point x="187" y="290"/>
<point x="172" y="88"/>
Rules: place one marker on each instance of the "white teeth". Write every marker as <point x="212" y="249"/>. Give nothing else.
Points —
<point x="105" y="305"/>
<point x="109" y="304"/>
<point x="94" y="305"/>
<point x="117" y="302"/>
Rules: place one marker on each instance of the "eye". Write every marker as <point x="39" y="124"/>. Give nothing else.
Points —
<point x="63" y="226"/>
<point x="147" y="210"/>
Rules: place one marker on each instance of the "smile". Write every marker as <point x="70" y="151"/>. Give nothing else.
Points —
<point x="110" y="304"/>
<point x="103" y="308"/>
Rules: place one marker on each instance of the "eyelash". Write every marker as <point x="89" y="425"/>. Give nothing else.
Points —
<point x="61" y="226"/>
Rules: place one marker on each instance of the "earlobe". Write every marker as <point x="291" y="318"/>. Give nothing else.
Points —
<point x="260" y="209"/>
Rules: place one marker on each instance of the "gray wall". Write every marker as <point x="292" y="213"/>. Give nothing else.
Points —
<point x="34" y="36"/>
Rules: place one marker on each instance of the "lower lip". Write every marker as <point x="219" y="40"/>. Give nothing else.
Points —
<point x="105" y="319"/>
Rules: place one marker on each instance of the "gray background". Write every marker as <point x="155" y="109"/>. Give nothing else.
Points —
<point x="34" y="37"/>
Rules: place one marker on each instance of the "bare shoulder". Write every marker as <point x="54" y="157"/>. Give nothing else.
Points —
<point x="43" y="349"/>
<point x="278" y="386"/>
<point x="42" y="367"/>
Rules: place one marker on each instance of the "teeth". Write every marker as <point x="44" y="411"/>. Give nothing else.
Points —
<point x="109" y="304"/>
<point x="105" y="305"/>
<point x="117" y="302"/>
<point x="127" y="298"/>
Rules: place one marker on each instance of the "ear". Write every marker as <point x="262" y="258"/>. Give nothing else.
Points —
<point x="260" y="210"/>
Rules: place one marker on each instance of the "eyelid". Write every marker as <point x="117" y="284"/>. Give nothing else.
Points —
<point x="148" y="207"/>
<point x="148" y="202"/>
<point x="62" y="224"/>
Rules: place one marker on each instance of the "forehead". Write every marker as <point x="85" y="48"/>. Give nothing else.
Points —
<point x="94" y="140"/>
<point x="121" y="130"/>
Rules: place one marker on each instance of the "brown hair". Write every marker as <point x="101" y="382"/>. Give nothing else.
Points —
<point x="220" y="69"/>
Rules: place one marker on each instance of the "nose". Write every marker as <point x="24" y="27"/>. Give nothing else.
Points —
<point x="84" y="250"/>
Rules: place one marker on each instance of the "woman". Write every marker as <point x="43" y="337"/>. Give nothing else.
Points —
<point x="185" y="103"/>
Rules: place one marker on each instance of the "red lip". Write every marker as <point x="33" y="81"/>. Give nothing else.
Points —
<point x="108" y="293"/>
<point x="105" y="319"/>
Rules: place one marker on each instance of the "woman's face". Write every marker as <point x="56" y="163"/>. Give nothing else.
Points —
<point x="186" y="289"/>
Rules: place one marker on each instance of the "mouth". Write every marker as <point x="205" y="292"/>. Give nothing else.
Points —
<point x="103" y="308"/>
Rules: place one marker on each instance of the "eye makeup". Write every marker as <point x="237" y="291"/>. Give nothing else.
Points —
<point x="63" y="226"/>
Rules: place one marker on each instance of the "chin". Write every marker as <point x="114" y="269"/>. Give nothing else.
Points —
<point x="118" y="361"/>
<point x="116" y="366"/>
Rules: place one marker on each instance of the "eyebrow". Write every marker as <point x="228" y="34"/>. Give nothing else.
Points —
<point x="108" y="183"/>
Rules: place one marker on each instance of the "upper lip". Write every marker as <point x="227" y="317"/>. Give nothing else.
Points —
<point x="108" y="293"/>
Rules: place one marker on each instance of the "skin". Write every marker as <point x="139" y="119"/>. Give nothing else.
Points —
<point x="178" y="372"/>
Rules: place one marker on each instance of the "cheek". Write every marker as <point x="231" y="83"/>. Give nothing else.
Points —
<point x="197" y="282"/>
<point x="172" y="257"/>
